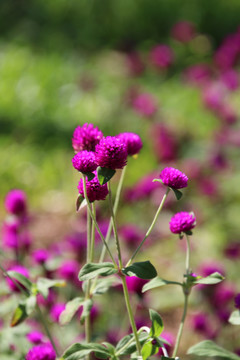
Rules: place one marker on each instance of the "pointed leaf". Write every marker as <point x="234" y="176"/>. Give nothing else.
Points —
<point x="157" y="282"/>
<point x="44" y="284"/>
<point x="210" y="349"/>
<point x="91" y="270"/>
<point x="177" y="193"/>
<point x="214" y="278"/>
<point x="78" y="351"/>
<point x="20" y="314"/>
<point x="148" y="349"/>
<point x="21" y="279"/>
<point x="104" y="284"/>
<point x="143" y="270"/>
<point x="104" y="174"/>
<point x="158" y="180"/>
<point x="235" y="317"/>
<point x="157" y="323"/>
<point x="131" y="348"/>
<point x="87" y="305"/>
<point x="79" y="201"/>
<point x="70" y="310"/>
<point x="90" y="176"/>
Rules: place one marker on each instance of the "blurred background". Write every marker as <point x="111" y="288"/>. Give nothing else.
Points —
<point x="165" y="69"/>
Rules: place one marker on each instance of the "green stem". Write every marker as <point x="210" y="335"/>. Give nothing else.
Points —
<point x="188" y="256"/>
<point x="93" y="234"/>
<point x="87" y="324"/>
<point x="115" y="207"/>
<point x="131" y="317"/>
<point x="95" y="222"/>
<point x="114" y="225"/>
<point x="180" y="330"/>
<point x="150" y="228"/>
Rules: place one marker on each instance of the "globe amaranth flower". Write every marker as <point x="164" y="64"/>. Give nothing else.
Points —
<point x="133" y="142"/>
<point x="12" y="284"/>
<point x="35" y="337"/>
<point x="111" y="153"/>
<point x="41" y="352"/>
<point x="95" y="191"/>
<point x="162" y="56"/>
<point x="84" y="161"/>
<point x="173" y="178"/>
<point x="182" y="222"/>
<point x="86" y="137"/>
<point x="145" y="104"/>
<point x="40" y="256"/>
<point x="16" y="202"/>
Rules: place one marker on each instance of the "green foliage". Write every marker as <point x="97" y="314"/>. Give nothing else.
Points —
<point x="157" y="324"/>
<point x="91" y="270"/>
<point x="157" y="282"/>
<point x="104" y="175"/>
<point x="210" y="349"/>
<point x="78" y="351"/>
<point x="212" y="279"/>
<point x="143" y="270"/>
<point x="43" y="285"/>
<point x="71" y="308"/>
<point x="235" y="317"/>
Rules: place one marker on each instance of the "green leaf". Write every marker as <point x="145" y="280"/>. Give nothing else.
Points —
<point x="79" y="201"/>
<point x="210" y="349"/>
<point x="157" y="323"/>
<point x="143" y="270"/>
<point x="91" y="270"/>
<point x="131" y="348"/>
<point x="78" y="351"/>
<point x="44" y="284"/>
<point x="104" y="284"/>
<point x="235" y="317"/>
<point x="157" y="282"/>
<point x="157" y="180"/>
<point x="110" y="348"/>
<point x="177" y="193"/>
<point x="149" y="349"/>
<point x="104" y="174"/>
<point x="19" y="315"/>
<point x="167" y="358"/>
<point x="21" y="279"/>
<point x="30" y="304"/>
<point x="214" y="278"/>
<point x="87" y="305"/>
<point x="90" y="176"/>
<point x="70" y="310"/>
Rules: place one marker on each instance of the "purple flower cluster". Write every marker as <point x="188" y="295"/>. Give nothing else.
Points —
<point x="132" y="141"/>
<point x="182" y="222"/>
<point x="86" y="137"/>
<point x="162" y="56"/>
<point x="111" y="153"/>
<point x="16" y="202"/>
<point x="84" y="161"/>
<point x="41" y="352"/>
<point x="173" y="178"/>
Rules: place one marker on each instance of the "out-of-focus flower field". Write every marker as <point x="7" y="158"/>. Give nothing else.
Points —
<point x="177" y="85"/>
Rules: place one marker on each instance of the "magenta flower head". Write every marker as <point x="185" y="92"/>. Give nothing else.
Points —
<point x="145" y="104"/>
<point x="56" y="311"/>
<point x="183" y="31"/>
<point x="16" y="202"/>
<point x="12" y="284"/>
<point x="161" y="56"/>
<point x="182" y="222"/>
<point x="84" y="161"/>
<point x="133" y="142"/>
<point x="95" y="191"/>
<point x="173" y="178"/>
<point x="111" y="153"/>
<point x="41" y="352"/>
<point x="135" y="284"/>
<point x="35" y="337"/>
<point x="86" y="137"/>
<point x="40" y="256"/>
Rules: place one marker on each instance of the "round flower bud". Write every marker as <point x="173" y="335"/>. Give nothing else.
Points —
<point x="40" y="256"/>
<point x="41" y="352"/>
<point x="111" y="153"/>
<point x="84" y="161"/>
<point x="133" y="142"/>
<point x="182" y="222"/>
<point x="35" y="337"/>
<point x="16" y="202"/>
<point x="86" y="137"/>
<point x="95" y="191"/>
<point x="173" y="178"/>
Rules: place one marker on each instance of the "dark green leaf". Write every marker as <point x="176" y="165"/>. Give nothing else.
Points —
<point x="110" y="347"/>
<point x="20" y="314"/>
<point x="148" y="349"/>
<point x="90" y="176"/>
<point x="87" y="305"/>
<point x="44" y="284"/>
<point x="210" y="349"/>
<point x="104" y="174"/>
<point x="177" y="193"/>
<point x="157" y="323"/>
<point x="21" y="279"/>
<point x="214" y="278"/>
<point x="91" y="270"/>
<point x="71" y="308"/>
<point x="131" y="348"/>
<point x="78" y="351"/>
<point x="235" y="318"/>
<point x="79" y="201"/>
<point x="157" y="282"/>
<point x="167" y="358"/>
<point x="143" y="270"/>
